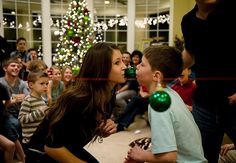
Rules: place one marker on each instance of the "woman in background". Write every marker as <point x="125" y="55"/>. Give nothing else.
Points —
<point x="67" y="76"/>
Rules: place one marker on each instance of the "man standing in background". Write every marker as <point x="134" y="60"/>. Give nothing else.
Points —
<point x="207" y="31"/>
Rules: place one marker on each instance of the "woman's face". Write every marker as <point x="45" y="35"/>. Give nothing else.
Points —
<point x="136" y="59"/>
<point x="116" y="74"/>
<point x="144" y="72"/>
<point x="67" y="76"/>
<point x="56" y="75"/>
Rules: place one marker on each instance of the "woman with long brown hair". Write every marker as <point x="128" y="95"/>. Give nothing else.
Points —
<point x="67" y="76"/>
<point x="82" y="113"/>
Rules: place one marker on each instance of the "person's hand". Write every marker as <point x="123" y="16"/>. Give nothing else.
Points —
<point x="232" y="99"/>
<point x="129" y="160"/>
<point x="108" y="128"/>
<point x="225" y="148"/>
<point x="17" y="98"/>
<point x="45" y="109"/>
<point x="135" y="154"/>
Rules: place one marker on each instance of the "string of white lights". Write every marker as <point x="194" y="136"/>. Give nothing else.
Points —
<point x="140" y="23"/>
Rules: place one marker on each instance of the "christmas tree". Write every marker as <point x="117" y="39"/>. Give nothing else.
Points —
<point x="77" y="37"/>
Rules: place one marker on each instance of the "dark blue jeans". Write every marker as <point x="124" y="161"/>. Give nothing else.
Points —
<point x="137" y="105"/>
<point x="213" y="125"/>
<point x="11" y="128"/>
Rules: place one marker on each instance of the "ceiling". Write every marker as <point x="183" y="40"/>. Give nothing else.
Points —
<point x="115" y="7"/>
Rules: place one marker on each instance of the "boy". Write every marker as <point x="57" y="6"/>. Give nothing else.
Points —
<point x="185" y="87"/>
<point x="33" y="108"/>
<point x="174" y="133"/>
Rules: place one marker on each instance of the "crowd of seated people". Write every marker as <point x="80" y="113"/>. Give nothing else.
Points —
<point x="21" y="95"/>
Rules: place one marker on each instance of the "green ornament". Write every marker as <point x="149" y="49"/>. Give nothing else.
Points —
<point x="160" y="101"/>
<point x="75" y="71"/>
<point x="70" y="32"/>
<point x="89" y="46"/>
<point x="86" y="18"/>
<point x="130" y="72"/>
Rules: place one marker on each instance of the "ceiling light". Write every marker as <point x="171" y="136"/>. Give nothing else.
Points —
<point x="107" y="2"/>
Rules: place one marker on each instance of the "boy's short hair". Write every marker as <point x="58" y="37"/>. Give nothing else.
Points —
<point x="36" y="64"/>
<point x="35" y="75"/>
<point x="10" y="60"/>
<point x="31" y="49"/>
<point x="19" y="39"/>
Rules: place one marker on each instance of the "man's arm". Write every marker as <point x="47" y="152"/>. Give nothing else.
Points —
<point x="188" y="59"/>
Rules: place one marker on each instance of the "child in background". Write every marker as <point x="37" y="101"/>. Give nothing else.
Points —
<point x="174" y="134"/>
<point x="67" y="76"/>
<point x="185" y="87"/>
<point x="56" y="85"/>
<point x="137" y="105"/>
<point x="33" y="107"/>
<point x="32" y="54"/>
<point x="37" y="65"/>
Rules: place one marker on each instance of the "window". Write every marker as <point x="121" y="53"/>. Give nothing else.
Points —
<point x="111" y="20"/>
<point x="152" y="22"/>
<point x="21" y="19"/>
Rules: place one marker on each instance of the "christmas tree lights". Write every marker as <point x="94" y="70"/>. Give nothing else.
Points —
<point x="77" y="36"/>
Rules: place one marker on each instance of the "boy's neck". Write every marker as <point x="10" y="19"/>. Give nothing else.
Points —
<point x="35" y="94"/>
<point x="11" y="79"/>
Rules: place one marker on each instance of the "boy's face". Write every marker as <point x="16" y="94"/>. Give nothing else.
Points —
<point x="12" y="69"/>
<point x="33" y="55"/>
<point x="21" y="45"/>
<point x="144" y="72"/>
<point x="184" y="76"/>
<point x="39" y="87"/>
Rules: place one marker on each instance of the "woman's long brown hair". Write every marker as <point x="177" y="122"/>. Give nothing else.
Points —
<point x="91" y="83"/>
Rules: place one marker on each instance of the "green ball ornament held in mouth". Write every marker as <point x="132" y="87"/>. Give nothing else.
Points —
<point x="160" y="100"/>
<point x="130" y="72"/>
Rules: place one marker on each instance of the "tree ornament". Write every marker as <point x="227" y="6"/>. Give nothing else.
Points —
<point x="68" y="23"/>
<point x="75" y="71"/>
<point x="89" y="46"/>
<point x="70" y="32"/>
<point x="130" y="72"/>
<point x="76" y="39"/>
<point x="160" y="100"/>
<point x="86" y="11"/>
<point x="86" y="18"/>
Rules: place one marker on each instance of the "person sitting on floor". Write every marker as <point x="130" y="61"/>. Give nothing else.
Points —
<point x="185" y="87"/>
<point x="137" y="105"/>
